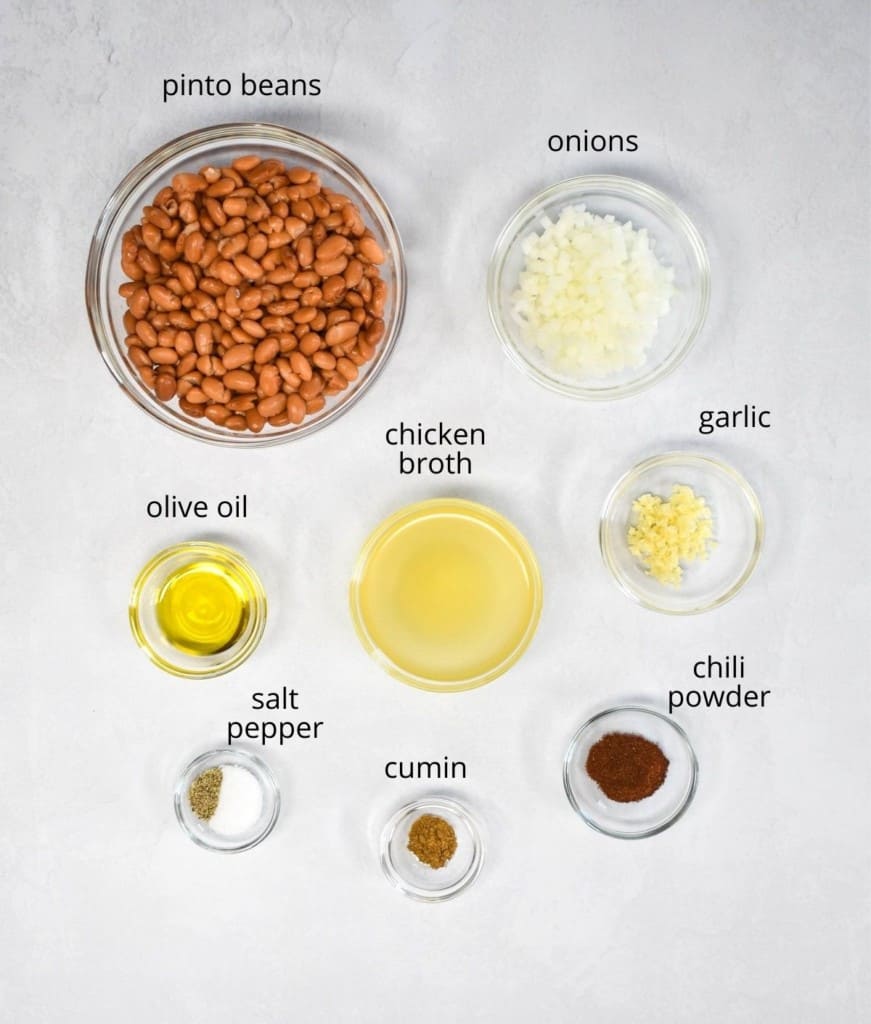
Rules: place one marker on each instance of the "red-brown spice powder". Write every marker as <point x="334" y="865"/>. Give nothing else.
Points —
<point x="626" y="767"/>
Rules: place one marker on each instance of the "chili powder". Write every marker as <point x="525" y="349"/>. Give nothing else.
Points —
<point x="626" y="767"/>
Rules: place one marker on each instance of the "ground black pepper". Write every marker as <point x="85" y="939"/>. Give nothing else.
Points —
<point x="204" y="793"/>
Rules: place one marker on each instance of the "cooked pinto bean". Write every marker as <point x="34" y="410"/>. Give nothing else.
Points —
<point x="253" y="294"/>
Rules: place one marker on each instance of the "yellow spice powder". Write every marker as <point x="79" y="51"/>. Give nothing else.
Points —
<point x="669" y="532"/>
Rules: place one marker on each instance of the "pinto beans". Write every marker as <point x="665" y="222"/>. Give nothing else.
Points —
<point x="253" y="294"/>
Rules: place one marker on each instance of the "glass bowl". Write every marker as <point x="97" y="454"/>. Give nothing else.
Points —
<point x="737" y="523"/>
<point x="643" y="817"/>
<point x="217" y="145"/>
<point x="147" y="591"/>
<point x="677" y="244"/>
<point x="199" y="830"/>
<point x="446" y="595"/>
<point x="419" y="880"/>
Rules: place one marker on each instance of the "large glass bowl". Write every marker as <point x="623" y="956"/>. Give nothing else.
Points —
<point x="677" y="244"/>
<point x="407" y="585"/>
<point x="221" y="145"/>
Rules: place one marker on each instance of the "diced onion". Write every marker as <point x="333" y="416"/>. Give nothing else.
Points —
<point x="591" y="293"/>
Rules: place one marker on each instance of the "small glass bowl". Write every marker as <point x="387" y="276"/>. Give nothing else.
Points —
<point x="644" y="817"/>
<point x="677" y="245"/>
<point x="199" y="830"/>
<point x="738" y="531"/>
<point x="143" y="610"/>
<point x="219" y="145"/>
<point x="419" y="880"/>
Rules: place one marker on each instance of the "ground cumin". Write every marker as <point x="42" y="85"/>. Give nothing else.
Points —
<point x="626" y="767"/>
<point x="432" y="840"/>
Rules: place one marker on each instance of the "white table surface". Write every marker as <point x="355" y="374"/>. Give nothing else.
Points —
<point x="754" y="907"/>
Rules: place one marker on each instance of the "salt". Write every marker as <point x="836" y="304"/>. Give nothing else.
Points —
<point x="240" y="802"/>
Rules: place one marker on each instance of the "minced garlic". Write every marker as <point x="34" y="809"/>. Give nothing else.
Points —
<point x="667" y="533"/>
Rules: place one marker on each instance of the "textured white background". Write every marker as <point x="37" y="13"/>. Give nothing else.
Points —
<point x="755" y="907"/>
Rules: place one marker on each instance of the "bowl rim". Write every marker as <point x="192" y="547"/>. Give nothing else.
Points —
<point x="718" y="465"/>
<point x="109" y="346"/>
<point x="261" y="771"/>
<point x="625" y="187"/>
<point x="479" y="512"/>
<point x="193" y="549"/>
<point x="680" y="810"/>
<point x="428" y="805"/>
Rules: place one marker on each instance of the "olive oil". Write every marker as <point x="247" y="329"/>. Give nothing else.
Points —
<point x="448" y="593"/>
<point x="203" y="608"/>
<point x="197" y="609"/>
